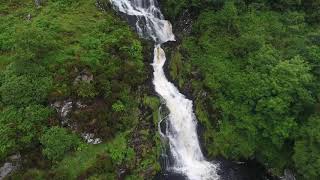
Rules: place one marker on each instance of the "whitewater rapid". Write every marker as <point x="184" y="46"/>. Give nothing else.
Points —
<point x="181" y="130"/>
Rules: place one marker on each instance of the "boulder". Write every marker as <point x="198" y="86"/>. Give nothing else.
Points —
<point x="12" y="164"/>
<point x="38" y="2"/>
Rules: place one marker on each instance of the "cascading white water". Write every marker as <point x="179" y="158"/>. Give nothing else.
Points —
<point x="150" y="21"/>
<point x="181" y="132"/>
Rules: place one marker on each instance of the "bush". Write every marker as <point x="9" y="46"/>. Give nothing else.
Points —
<point x="25" y="84"/>
<point x="34" y="174"/>
<point x="119" y="151"/>
<point x="21" y="127"/>
<point x="57" y="142"/>
<point x="22" y="91"/>
<point x="85" y="89"/>
<point x="118" y="107"/>
<point x="32" y="43"/>
<point x="307" y="149"/>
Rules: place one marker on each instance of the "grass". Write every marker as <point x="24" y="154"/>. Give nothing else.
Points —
<point x="78" y="162"/>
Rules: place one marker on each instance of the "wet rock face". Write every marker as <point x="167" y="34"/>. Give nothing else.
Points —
<point x="84" y="76"/>
<point x="90" y="138"/>
<point x="64" y="109"/>
<point x="6" y="169"/>
<point x="183" y="25"/>
<point x="288" y="175"/>
<point x="12" y="164"/>
<point x="104" y="5"/>
<point x="250" y="170"/>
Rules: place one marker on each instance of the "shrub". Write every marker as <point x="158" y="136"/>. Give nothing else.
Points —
<point x="58" y="141"/>
<point x="24" y="84"/>
<point x="21" y="127"/>
<point x="86" y="89"/>
<point x="307" y="149"/>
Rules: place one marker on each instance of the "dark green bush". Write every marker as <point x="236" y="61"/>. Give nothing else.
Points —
<point x="57" y="142"/>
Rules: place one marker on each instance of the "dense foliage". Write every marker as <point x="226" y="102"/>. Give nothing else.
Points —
<point x="252" y="65"/>
<point x="57" y="142"/>
<point x="257" y="74"/>
<point x="21" y="127"/>
<point x="306" y="149"/>
<point x="58" y="51"/>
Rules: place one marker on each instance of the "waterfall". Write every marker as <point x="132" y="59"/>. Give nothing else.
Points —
<point x="181" y="122"/>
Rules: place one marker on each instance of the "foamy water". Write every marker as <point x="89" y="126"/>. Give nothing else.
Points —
<point x="181" y="122"/>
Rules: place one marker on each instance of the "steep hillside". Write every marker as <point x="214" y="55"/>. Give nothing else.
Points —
<point x="72" y="75"/>
<point x="253" y="68"/>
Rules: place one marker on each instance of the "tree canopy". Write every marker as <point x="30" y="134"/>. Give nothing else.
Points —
<point x="258" y="63"/>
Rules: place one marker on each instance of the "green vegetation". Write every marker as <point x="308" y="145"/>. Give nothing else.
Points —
<point x="255" y="79"/>
<point x="252" y="66"/>
<point x="96" y="161"/>
<point x="26" y="86"/>
<point x="21" y="127"/>
<point x="306" y="149"/>
<point x="57" y="141"/>
<point x="71" y="50"/>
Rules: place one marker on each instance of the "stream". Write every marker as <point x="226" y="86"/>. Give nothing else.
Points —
<point x="185" y="159"/>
